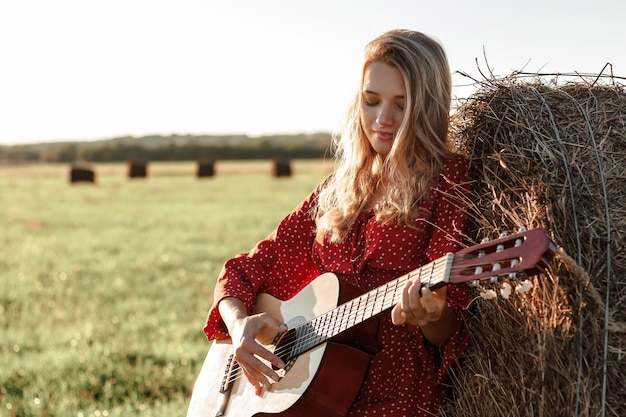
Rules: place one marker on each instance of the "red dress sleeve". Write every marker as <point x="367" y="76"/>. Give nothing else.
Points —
<point x="451" y="224"/>
<point x="279" y="265"/>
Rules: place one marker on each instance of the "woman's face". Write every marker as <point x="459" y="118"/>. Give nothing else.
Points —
<point x="383" y="105"/>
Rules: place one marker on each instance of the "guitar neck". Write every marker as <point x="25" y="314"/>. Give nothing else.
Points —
<point x="366" y="306"/>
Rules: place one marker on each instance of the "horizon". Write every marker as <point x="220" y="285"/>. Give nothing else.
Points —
<point x="163" y="135"/>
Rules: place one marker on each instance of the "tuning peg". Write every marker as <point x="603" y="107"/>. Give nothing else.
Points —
<point x="522" y="229"/>
<point x="497" y="266"/>
<point x="488" y="294"/>
<point x="505" y="291"/>
<point x="524" y="286"/>
<point x="479" y="269"/>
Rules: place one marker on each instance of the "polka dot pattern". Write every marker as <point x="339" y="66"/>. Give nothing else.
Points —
<point x="407" y="376"/>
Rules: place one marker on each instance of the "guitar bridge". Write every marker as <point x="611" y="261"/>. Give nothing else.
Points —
<point x="227" y="380"/>
<point x="226" y="385"/>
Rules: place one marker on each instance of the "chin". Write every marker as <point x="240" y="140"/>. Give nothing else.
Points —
<point x="383" y="150"/>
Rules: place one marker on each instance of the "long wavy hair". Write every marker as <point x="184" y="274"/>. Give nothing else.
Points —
<point x="392" y="184"/>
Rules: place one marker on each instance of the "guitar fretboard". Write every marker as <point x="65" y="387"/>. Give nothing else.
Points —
<point x="368" y="305"/>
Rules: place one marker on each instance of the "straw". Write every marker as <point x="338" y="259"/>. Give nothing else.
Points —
<point x="549" y="150"/>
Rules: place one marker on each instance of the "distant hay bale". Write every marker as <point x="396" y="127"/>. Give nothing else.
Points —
<point x="281" y="167"/>
<point x="553" y="155"/>
<point x="137" y="169"/>
<point x="82" y="173"/>
<point x="205" y="168"/>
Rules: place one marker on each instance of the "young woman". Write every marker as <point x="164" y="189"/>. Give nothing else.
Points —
<point x="393" y="204"/>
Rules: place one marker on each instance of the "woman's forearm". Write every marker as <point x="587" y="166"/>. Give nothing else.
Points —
<point x="232" y="309"/>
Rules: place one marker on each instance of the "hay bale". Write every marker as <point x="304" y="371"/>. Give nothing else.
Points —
<point x="137" y="169"/>
<point x="553" y="155"/>
<point x="281" y="167"/>
<point x="82" y="173"/>
<point x="205" y="168"/>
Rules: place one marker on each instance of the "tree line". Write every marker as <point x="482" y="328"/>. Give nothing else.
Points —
<point x="172" y="148"/>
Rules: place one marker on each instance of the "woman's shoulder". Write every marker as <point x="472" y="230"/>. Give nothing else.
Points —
<point x="456" y="158"/>
<point x="455" y="165"/>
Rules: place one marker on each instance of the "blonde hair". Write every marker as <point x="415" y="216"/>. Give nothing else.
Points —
<point x="391" y="184"/>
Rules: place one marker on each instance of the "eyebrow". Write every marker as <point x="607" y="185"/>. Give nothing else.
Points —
<point x="377" y="94"/>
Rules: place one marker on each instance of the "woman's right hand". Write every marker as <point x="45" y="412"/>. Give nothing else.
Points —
<point x="245" y="332"/>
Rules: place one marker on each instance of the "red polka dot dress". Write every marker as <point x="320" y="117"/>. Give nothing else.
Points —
<point x="407" y="377"/>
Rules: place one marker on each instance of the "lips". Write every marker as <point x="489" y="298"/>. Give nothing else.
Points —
<point x="384" y="136"/>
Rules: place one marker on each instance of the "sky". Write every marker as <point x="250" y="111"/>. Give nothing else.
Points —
<point x="98" y="69"/>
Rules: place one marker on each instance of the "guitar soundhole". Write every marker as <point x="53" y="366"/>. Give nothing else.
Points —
<point x="284" y="347"/>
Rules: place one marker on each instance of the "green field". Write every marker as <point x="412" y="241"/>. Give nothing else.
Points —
<point x="104" y="287"/>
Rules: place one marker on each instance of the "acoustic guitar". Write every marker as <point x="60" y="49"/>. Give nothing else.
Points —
<point x="331" y="329"/>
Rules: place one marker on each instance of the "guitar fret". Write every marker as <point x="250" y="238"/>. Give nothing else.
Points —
<point x="321" y="326"/>
<point x="350" y="314"/>
<point x="327" y="322"/>
<point x="299" y="338"/>
<point x="345" y="318"/>
<point x="389" y="301"/>
<point x="380" y="303"/>
<point x="368" y="311"/>
<point x="358" y="313"/>
<point x="332" y="323"/>
<point x="318" y="331"/>
<point x="337" y="318"/>
<point x="432" y="270"/>
<point x="397" y="290"/>
<point x="350" y="317"/>
<point x="340" y="318"/>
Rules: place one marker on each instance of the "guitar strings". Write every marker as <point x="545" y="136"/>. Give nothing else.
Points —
<point x="367" y="305"/>
<point x="325" y="326"/>
<point x="319" y="330"/>
<point x="313" y="338"/>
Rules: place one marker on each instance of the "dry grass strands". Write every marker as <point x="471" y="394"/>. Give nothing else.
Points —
<point x="553" y="155"/>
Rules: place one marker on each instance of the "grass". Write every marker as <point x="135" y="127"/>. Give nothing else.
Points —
<point x="104" y="287"/>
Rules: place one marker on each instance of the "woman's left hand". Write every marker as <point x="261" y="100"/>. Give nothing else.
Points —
<point x="417" y="307"/>
<point x="426" y="309"/>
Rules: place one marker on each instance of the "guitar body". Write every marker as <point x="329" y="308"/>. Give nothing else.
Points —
<point x="322" y="381"/>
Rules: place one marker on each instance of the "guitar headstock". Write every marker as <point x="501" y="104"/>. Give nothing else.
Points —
<point x="529" y="251"/>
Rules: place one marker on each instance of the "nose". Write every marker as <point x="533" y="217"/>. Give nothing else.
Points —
<point x="385" y="116"/>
